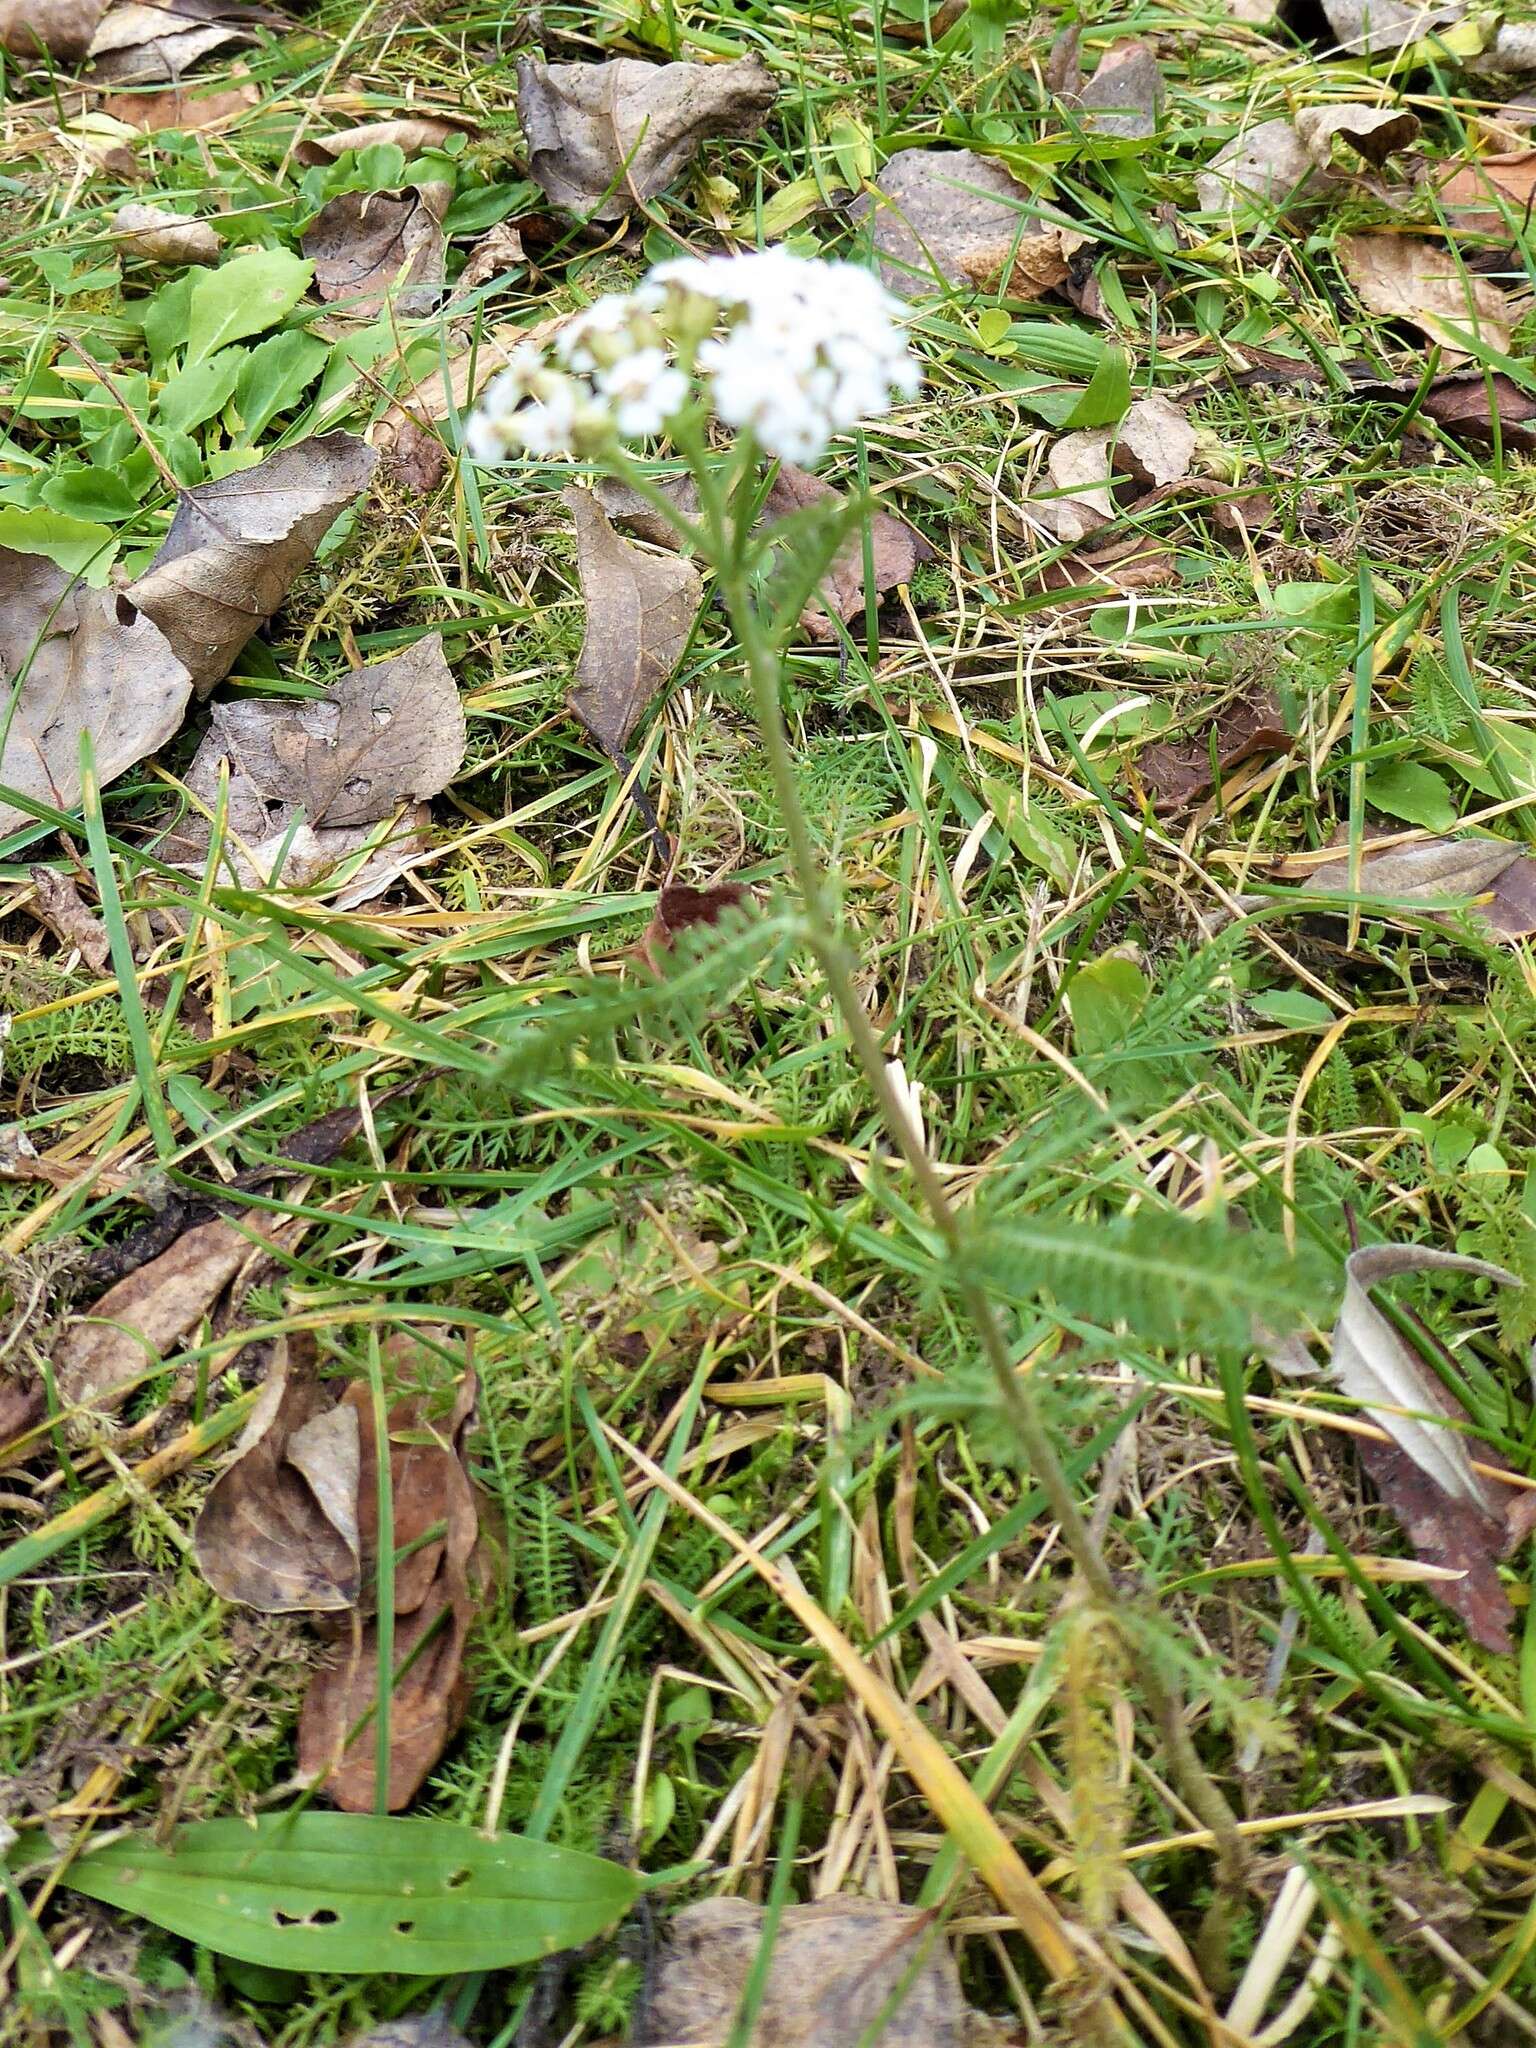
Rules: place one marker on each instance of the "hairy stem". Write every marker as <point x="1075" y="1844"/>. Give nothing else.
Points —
<point x="833" y="956"/>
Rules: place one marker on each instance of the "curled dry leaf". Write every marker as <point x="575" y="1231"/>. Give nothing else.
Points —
<point x="279" y="1527"/>
<point x="236" y="545"/>
<point x="1264" y="169"/>
<point x="140" y="44"/>
<point x="1124" y="97"/>
<point x="841" y="1970"/>
<point x="79" y="660"/>
<point x="1402" y="278"/>
<point x="680" y="908"/>
<point x="1179" y="771"/>
<point x="640" y="612"/>
<point x="1373" y="28"/>
<point x="1373" y="133"/>
<point x="1452" y="1513"/>
<point x="1431" y="872"/>
<point x="412" y="133"/>
<point x="61" y="29"/>
<point x="369" y="248"/>
<point x="1467" y="403"/>
<point x="947" y="217"/>
<point x="137" y="1322"/>
<point x="154" y="235"/>
<point x="433" y="1611"/>
<point x="493" y="255"/>
<point x="58" y="903"/>
<point x="604" y="138"/>
<point x="1492" y="195"/>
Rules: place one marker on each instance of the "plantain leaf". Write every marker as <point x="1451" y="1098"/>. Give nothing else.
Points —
<point x="357" y="1893"/>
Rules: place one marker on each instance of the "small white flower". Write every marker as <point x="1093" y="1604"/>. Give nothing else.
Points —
<point x="646" y="390"/>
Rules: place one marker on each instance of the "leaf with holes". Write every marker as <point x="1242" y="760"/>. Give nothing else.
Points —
<point x="358" y="1893"/>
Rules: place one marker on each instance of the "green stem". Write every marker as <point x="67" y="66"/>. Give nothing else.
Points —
<point x="836" y="962"/>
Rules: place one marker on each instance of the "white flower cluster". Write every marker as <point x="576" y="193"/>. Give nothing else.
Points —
<point x="795" y="349"/>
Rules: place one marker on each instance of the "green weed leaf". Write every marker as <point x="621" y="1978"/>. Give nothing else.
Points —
<point x="274" y="377"/>
<point x="245" y="296"/>
<point x="356" y="1893"/>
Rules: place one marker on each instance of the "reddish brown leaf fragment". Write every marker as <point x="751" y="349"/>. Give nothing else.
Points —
<point x="60" y="906"/>
<point x="895" y="548"/>
<point x="681" y="908"/>
<point x="1455" y="1534"/>
<point x="1179" y="771"/>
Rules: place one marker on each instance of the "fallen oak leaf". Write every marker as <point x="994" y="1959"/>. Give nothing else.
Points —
<point x="947" y="217"/>
<point x="640" y="613"/>
<point x="155" y="235"/>
<point x="1400" y="277"/>
<point x="841" y="1970"/>
<point x="1373" y="133"/>
<point x="79" y="660"/>
<point x="236" y="544"/>
<point x="372" y="248"/>
<point x="278" y="1529"/>
<point x="604" y="138"/>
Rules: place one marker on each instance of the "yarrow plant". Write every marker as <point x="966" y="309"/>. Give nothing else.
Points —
<point x="792" y="350"/>
<point x="791" y="353"/>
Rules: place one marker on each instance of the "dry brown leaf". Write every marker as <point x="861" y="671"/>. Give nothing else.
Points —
<point x="1179" y="771"/>
<point x="411" y="133"/>
<point x="1382" y="27"/>
<point x="895" y="548"/>
<point x="143" y="1317"/>
<point x="604" y="138"/>
<point x="1466" y="403"/>
<point x="181" y="108"/>
<point x="446" y="391"/>
<point x="1156" y="442"/>
<point x="680" y="908"/>
<point x="640" y="612"/>
<point x="838" y="1969"/>
<point x="1432" y="872"/>
<point x="369" y="248"/>
<point x="433" y="1607"/>
<point x="58" y="903"/>
<point x="1399" y="277"/>
<point x="1265" y="167"/>
<point x="279" y="1527"/>
<point x="1452" y="1513"/>
<point x="1511" y="910"/>
<point x="1079" y="466"/>
<point x="61" y="29"/>
<point x="1124" y="97"/>
<point x="495" y="253"/>
<point x="1492" y="193"/>
<point x="142" y="44"/>
<point x="949" y="217"/>
<point x="86" y="661"/>
<point x="1373" y="133"/>
<point x="154" y="235"/>
<point x="236" y="545"/>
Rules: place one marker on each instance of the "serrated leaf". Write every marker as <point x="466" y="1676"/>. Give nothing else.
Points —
<point x="357" y="1893"/>
<point x="245" y="296"/>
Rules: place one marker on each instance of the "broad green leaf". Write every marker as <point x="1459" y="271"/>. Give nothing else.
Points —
<point x="483" y="205"/>
<point x="854" y="148"/>
<point x="992" y="325"/>
<point x="1291" y="1006"/>
<point x="78" y="545"/>
<point x="1030" y="832"/>
<point x="246" y="295"/>
<point x="1408" y="790"/>
<point x="1108" y="397"/>
<point x="198" y="392"/>
<point x="166" y="317"/>
<point x="92" y="494"/>
<point x="790" y="205"/>
<point x="274" y="376"/>
<point x="1105" y="998"/>
<point x="358" y="1893"/>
